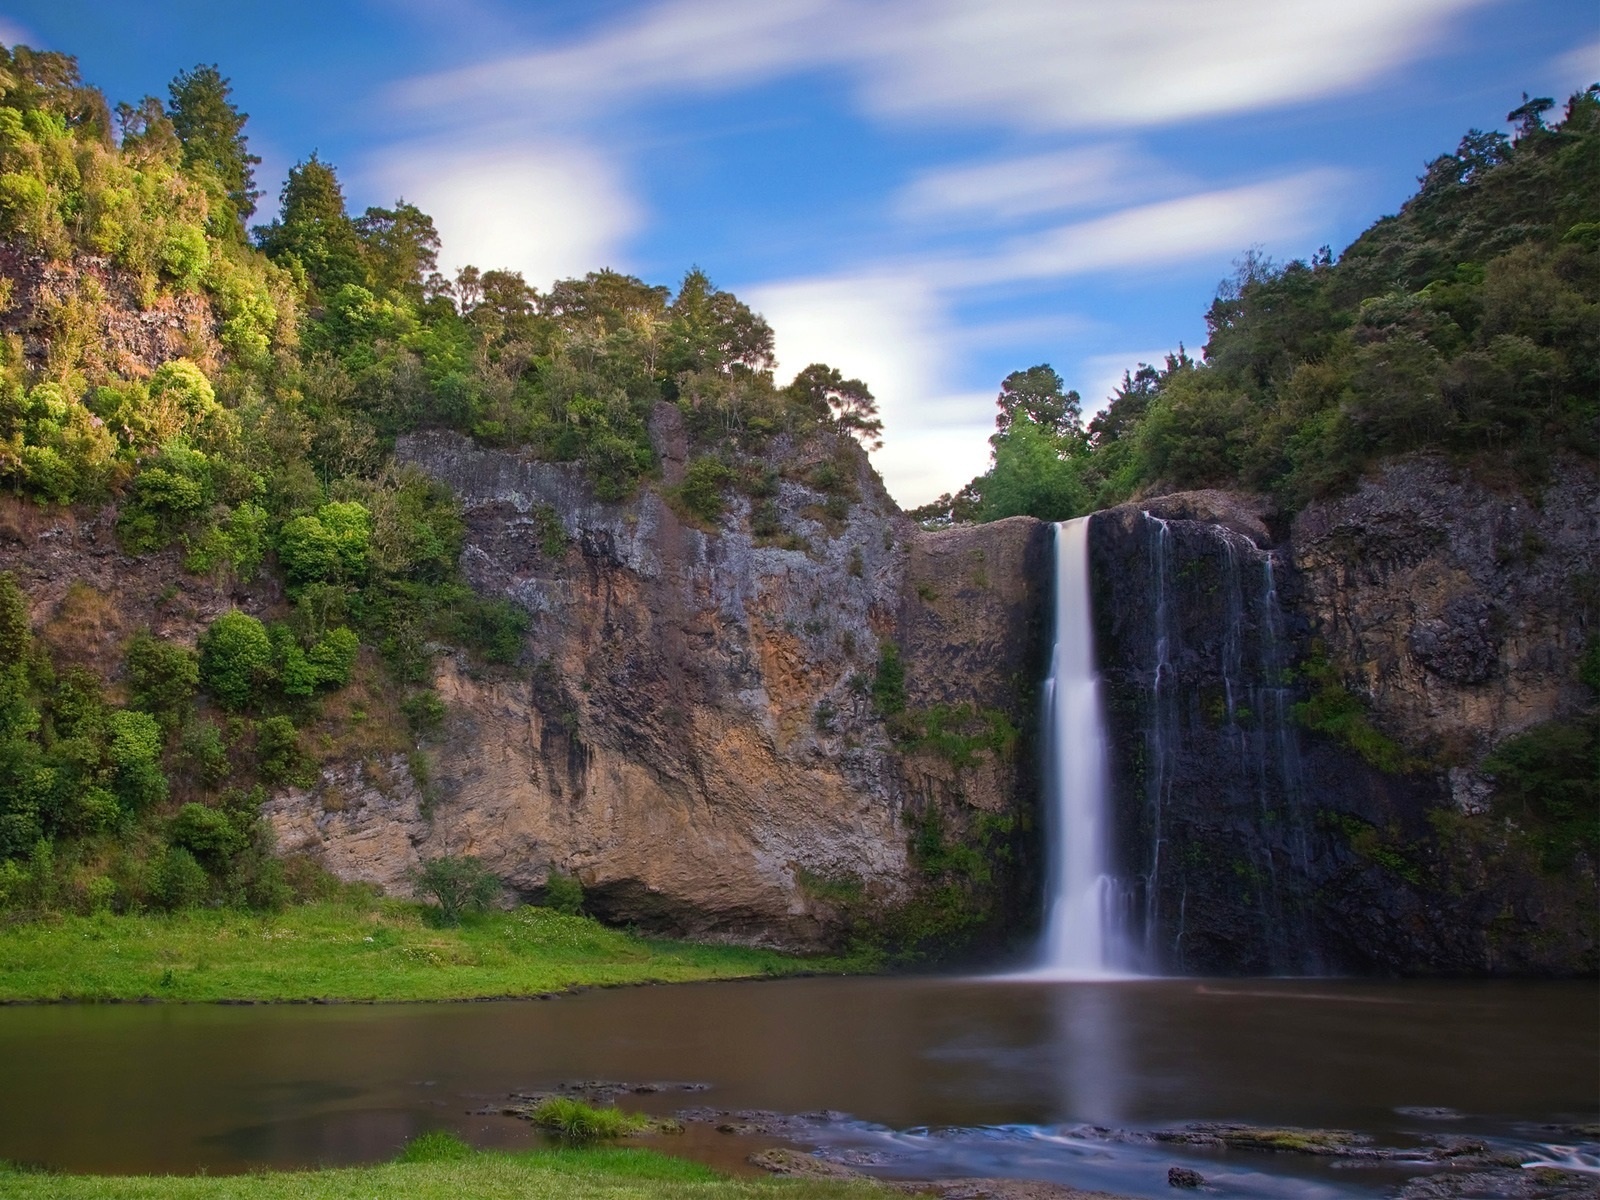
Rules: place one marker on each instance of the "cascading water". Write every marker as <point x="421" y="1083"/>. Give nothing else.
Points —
<point x="1082" y="936"/>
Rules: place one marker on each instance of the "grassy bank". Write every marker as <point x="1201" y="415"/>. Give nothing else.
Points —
<point x="386" y="951"/>
<point x="601" y="1174"/>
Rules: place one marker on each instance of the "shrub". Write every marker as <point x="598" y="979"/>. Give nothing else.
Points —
<point x="203" y="747"/>
<point x="278" y="755"/>
<point x="1548" y="781"/>
<point x="424" y="711"/>
<point x="207" y="833"/>
<point x="457" y="884"/>
<point x="178" y="881"/>
<point x="563" y="893"/>
<point x="162" y="677"/>
<point x="703" y="484"/>
<point x="135" y="752"/>
<point x="235" y="658"/>
<point x="491" y="629"/>
<point x="889" y="685"/>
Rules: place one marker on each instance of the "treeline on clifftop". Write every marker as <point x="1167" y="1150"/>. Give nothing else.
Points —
<point x="258" y="446"/>
<point x="1468" y="323"/>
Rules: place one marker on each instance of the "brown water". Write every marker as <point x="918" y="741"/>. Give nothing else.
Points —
<point x="936" y="1075"/>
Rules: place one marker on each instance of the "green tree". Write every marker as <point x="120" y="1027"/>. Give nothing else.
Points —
<point x="162" y="677"/>
<point x="211" y="130"/>
<point x="1037" y="393"/>
<point x="457" y="884"/>
<point x="1032" y="477"/>
<point x="823" y="393"/>
<point x="314" y="231"/>
<point x="402" y="248"/>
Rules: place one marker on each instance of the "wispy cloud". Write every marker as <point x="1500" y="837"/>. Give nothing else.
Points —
<point x="1170" y="231"/>
<point x="1036" y="64"/>
<point x="1010" y="188"/>
<point x="1578" y="68"/>
<point x="684" y="45"/>
<point x="549" y="209"/>
<point x="1064" y="64"/>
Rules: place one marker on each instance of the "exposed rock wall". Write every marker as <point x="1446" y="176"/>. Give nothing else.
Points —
<point x="692" y="732"/>
<point x="1451" y="615"/>
<point x="90" y="307"/>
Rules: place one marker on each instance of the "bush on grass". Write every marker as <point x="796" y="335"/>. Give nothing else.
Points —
<point x="457" y="885"/>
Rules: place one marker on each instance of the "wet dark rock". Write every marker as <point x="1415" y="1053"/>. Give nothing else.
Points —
<point x="1503" y="1184"/>
<point x="1002" y="1189"/>
<point x="754" y="1121"/>
<point x="1319" y="1142"/>
<point x="1183" y="1177"/>
<point x="1462" y="643"/>
<point x="1447" y="616"/>
<point x="782" y="1160"/>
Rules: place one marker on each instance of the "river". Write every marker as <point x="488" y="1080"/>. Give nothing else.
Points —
<point x="923" y="1075"/>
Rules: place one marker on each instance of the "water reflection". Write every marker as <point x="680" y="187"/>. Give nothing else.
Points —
<point x="1090" y="1044"/>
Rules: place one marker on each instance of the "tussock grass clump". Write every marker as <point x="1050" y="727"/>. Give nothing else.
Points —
<point x="581" y="1124"/>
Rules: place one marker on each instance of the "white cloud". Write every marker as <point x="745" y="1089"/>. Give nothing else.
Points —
<point x="1037" y="64"/>
<point x="13" y="34"/>
<point x="893" y="332"/>
<point x="1156" y="234"/>
<point x="1062" y="64"/>
<point x="1577" y="68"/>
<point x="679" y="45"/>
<point x="548" y="209"/>
<point x="1030" y="185"/>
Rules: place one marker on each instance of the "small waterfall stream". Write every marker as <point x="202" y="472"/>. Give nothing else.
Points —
<point x="1083" y="936"/>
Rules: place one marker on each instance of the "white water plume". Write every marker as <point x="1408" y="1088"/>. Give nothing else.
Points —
<point x="1083" y="938"/>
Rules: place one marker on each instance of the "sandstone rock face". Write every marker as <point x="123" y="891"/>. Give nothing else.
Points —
<point x="692" y="732"/>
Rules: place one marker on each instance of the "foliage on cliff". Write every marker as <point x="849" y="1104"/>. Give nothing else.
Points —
<point x="252" y="443"/>
<point x="1469" y="323"/>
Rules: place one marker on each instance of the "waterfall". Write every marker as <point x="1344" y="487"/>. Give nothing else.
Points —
<point x="1082" y="936"/>
<point x="1220" y="727"/>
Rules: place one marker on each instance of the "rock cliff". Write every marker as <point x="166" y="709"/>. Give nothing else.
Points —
<point x="693" y="731"/>
<point x="1300" y="722"/>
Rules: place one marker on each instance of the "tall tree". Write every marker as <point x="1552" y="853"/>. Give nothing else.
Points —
<point x="314" y="230"/>
<point x="211" y="129"/>
<point x="821" y="391"/>
<point x="402" y="247"/>
<point x="1037" y="393"/>
<point x="712" y="330"/>
<point x="48" y="80"/>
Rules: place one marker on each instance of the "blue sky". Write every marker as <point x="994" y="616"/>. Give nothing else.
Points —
<point x="924" y="193"/>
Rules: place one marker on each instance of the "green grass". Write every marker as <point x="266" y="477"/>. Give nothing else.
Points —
<point x="576" y="1122"/>
<point x="338" y="952"/>
<point x="604" y="1173"/>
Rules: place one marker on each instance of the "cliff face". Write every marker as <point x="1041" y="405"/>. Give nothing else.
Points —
<point x="692" y="732"/>
<point x="1299" y="724"/>
<point x="89" y="307"/>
